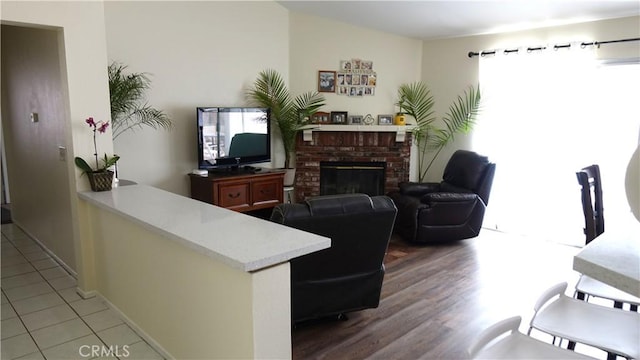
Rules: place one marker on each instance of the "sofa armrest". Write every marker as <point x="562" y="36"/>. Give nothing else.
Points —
<point x="451" y="209"/>
<point x="448" y="197"/>
<point x="418" y="189"/>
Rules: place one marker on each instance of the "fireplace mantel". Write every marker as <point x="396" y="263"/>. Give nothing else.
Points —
<point x="400" y="130"/>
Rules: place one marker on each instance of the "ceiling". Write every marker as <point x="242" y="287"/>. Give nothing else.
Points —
<point x="432" y="19"/>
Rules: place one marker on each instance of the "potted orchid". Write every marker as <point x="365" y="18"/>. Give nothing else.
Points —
<point x="101" y="179"/>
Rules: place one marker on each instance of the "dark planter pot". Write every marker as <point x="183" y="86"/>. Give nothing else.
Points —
<point x="101" y="180"/>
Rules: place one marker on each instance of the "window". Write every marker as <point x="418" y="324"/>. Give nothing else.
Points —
<point x="546" y="115"/>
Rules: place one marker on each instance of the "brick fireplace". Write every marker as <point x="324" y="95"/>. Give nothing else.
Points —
<point x="350" y="146"/>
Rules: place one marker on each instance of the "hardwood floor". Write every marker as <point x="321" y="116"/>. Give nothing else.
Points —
<point x="435" y="299"/>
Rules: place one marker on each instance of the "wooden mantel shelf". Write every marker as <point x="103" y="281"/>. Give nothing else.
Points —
<point x="401" y="131"/>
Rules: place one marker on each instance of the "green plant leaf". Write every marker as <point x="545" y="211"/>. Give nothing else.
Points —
<point x="128" y="107"/>
<point x="109" y="161"/>
<point x="80" y="163"/>
<point x="289" y="115"/>
<point x="416" y="100"/>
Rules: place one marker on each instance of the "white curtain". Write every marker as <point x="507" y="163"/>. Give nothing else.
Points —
<point x="546" y="115"/>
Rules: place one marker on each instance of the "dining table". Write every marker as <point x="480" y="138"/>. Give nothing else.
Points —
<point x="613" y="258"/>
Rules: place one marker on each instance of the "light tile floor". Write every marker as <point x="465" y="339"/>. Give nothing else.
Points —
<point x="44" y="318"/>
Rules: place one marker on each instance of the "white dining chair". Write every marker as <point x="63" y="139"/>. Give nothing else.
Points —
<point x="609" y="329"/>
<point x="591" y="287"/>
<point x="503" y="341"/>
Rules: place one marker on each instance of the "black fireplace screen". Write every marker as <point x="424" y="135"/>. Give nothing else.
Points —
<point x="346" y="177"/>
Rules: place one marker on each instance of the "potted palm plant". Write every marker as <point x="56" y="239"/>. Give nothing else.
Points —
<point x="129" y="109"/>
<point x="416" y="100"/>
<point x="290" y="115"/>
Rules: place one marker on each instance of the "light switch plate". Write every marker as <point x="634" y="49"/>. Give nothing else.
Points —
<point x="62" y="153"/>
<point x="34" y="117"/>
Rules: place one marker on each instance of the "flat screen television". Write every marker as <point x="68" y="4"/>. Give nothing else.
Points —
<point x="233" y="137"/>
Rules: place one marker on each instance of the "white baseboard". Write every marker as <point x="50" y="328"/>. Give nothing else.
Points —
<point x="154" y="344"/>
<point x="49" y="252"/>
<point x="86" y="294"/>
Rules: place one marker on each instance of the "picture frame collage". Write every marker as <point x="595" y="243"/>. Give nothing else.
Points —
<point x="356" y="77"/>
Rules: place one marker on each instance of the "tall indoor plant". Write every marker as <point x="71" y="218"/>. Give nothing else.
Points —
<point x="129" y="110"/>
<point x="290" y="115"/>
<point x="415" y="99"/>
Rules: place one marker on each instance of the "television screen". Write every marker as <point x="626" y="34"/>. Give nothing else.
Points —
<point x="231" y="137"/>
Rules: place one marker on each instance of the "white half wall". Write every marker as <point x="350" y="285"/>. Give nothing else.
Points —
<point x="187" y="304"/>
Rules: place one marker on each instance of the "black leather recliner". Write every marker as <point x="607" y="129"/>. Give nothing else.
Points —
<point x="347" y="276"/>
<point x="450" y="210"/>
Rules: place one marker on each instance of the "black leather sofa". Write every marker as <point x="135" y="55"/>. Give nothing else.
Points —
<point x="450" y="210"/>
<point x="347" y="276"/>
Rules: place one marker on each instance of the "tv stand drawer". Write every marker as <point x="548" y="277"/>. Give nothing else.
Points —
<point x="267" y="192"/>
<point x="239" y="191"/>
<point x="233" y="196"/>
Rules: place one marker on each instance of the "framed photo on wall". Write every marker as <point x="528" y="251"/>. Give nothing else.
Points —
<point x="385" y="119"/>
<point x="326" y="81"/>
<point x="338" y="117"/>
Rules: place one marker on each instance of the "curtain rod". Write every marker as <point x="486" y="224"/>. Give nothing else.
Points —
<point x="555" y="47"/>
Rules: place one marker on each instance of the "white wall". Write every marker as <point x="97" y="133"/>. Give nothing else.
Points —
<point x="320" y="44"/>
<point x="215" y="51"/>
<point x="448" y="71"/>
<point x="198" y="54"/>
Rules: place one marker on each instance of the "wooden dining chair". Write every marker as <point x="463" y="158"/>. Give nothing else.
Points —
<point x="612" y="330"/>
<point x="503" y="341"/>
<point x="591" y="193"/>
<point x="591" y="190"/>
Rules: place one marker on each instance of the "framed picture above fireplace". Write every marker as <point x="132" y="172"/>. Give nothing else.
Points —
<point x="339" y="117"/>
<point x="326" y="81"/>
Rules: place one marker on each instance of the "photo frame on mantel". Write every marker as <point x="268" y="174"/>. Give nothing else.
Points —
<point x="355" y="119"/>
<point x="320" y="117"/>
<point x="338" y="117"/>
<point x="385" y="119"/>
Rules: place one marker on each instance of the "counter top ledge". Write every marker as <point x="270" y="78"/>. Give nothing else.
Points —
<point x="238" y="240"/>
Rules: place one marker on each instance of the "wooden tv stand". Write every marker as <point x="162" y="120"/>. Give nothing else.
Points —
<point x="240" y="190"/>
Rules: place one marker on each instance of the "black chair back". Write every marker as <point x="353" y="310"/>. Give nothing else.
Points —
<point x="591" y="190"/>
<point x="472" y="171"/>
<point x="347" y="276"/>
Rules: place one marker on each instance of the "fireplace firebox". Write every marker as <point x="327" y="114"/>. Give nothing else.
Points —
<point x="349" y="177"/>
